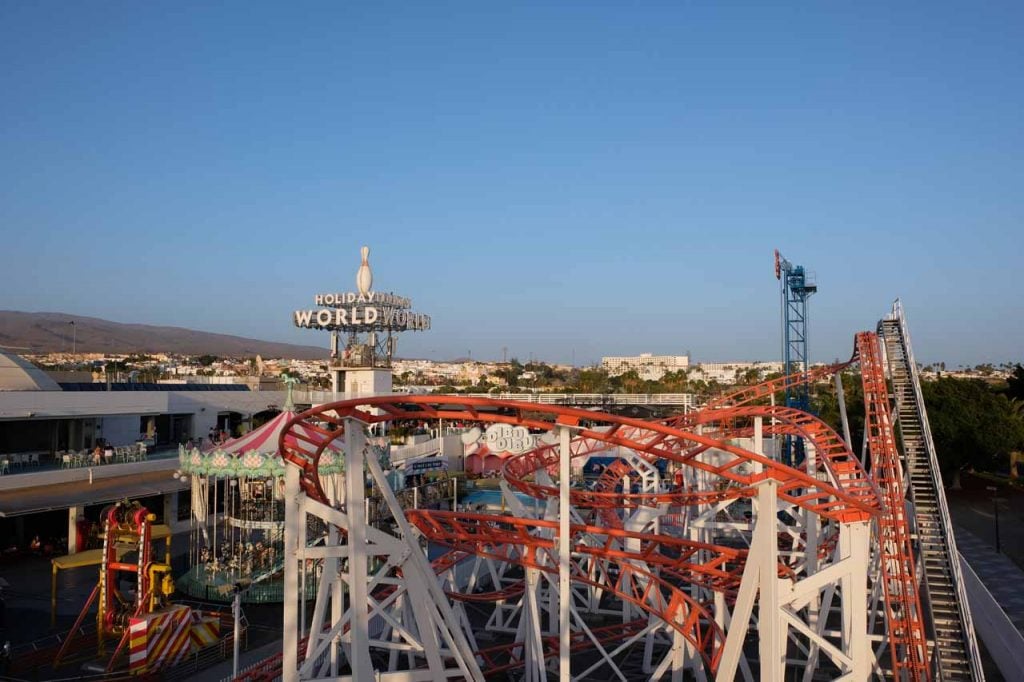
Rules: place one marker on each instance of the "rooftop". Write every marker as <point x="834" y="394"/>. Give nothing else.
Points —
<point x="18" y="374"/>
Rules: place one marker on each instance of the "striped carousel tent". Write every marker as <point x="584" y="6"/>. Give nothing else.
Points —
<point x="265" y="439"/>
<point x="247" y="474"/>
<point x="255" y="454"/>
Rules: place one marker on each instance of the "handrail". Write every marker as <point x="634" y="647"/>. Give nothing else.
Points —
<point x="400" y="453"/>
<point x="686" y="399"/>
<point x="677" y="399"/>
<point x="1002" y="638"/>
<point x="933" y="464"/>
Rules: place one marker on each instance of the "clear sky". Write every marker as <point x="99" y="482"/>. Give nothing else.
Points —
<point x="564" y="179"/>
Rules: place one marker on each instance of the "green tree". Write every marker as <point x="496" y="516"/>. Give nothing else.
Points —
<point x="510" y="372"/>
<point x="1015" y="383"/>
<point x="593" y="380"/>
<point x="972" y="424"/>
<point x="673" y="382"/>
<point x="627" y="382"/>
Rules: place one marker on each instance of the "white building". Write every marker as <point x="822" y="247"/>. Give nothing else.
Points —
<point x="646" y="365"/>
<point x="40" y="418"/>
<point x="731" y="372"/>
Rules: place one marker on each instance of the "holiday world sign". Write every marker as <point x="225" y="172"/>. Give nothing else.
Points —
<point x="362" y="310"/>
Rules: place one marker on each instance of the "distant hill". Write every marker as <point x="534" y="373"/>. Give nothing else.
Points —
<point x="22" y="332"/>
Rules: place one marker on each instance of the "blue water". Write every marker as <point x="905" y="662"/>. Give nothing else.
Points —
<point x="491" y="500"/>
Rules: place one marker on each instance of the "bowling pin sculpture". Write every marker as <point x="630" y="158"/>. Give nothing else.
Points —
<point x="364" y="278"/>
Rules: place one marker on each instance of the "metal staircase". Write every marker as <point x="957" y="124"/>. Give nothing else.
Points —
<point x="956" y="655"/>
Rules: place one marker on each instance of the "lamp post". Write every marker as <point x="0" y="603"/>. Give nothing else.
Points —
<point x="237" y="589"/>
<point x="995" y="511"/>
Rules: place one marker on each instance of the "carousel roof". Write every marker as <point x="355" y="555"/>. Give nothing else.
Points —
<point x="266" y="438"/>
<point x="256" y="453"/>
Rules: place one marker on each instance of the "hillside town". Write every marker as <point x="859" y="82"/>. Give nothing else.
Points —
<point x="644" y="373"/>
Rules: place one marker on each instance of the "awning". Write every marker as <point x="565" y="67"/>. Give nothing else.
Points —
<point x="81" y="493"/>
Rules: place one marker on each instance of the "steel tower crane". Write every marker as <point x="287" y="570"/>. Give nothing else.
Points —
<point x="796" y="286"/>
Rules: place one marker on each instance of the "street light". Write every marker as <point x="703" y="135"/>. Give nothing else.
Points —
<point x="995" y="511"/>
<point x="237" y="589"/>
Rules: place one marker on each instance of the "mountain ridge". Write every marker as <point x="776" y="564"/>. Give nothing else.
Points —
<point x="51" y="332"/>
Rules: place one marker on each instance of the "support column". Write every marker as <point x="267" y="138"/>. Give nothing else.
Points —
<point x="812" y="530"/>
<point x="293" y="499"/>
<point x="762" y="565"/>
<point x="758" y="442"/>
<point x="355" y="508"/>
<point x="854" y="549"/>
<point x="564" y="589"/>
<point x="841" y="397"/>
<point x="74" y="514"/>
<point x="771" y="627"/>
<point x="171" y="510"/>
<point x="337" y="384"/>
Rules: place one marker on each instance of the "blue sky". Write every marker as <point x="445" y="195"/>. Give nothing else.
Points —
<point x="561" y="179"/>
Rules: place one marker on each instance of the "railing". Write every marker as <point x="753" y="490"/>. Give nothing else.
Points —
<point x="1002" y="638"/>
<point x="590" y="399"/>
<point x="587" y="399"/>
<point x="40" y="651"/>
<point x="933" y="464"/>
<point x="400" y="453"/>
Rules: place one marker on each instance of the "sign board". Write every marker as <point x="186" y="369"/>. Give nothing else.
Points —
<point x="507" y="438"/>
<point x="363" y="310"/>
<point x="432" y="464"/>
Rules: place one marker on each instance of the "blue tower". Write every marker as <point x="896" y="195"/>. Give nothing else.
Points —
<point x="796" y="287"/>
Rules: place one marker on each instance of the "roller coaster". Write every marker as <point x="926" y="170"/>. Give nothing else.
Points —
<point x="842" y="566"/>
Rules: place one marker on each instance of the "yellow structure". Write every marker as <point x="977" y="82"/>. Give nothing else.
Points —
<point x="94" y="557"/>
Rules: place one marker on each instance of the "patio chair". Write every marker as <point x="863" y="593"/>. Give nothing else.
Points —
<point x="5" y="466"/>
<point x="34" y="458"/>
<point x="65" y="462"/>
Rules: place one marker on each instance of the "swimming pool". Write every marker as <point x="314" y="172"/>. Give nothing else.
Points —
<point x="491" y="500"/>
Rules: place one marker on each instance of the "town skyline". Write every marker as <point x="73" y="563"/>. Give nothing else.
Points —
<point x="67" y="338"/>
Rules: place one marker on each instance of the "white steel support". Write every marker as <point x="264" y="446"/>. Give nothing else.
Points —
<point x="771" y="628"/>
<point x="841" y="397"/>
<point x="432" y="611"/>
<point x="759" y="574"/>
<point x="529" y="630"/>
<point x="854" y="541"/>
<point x="811" y="527"/>
<point x="564" y="590"/>
<point x="355" y="497"/>
<point x="292" y="499"/>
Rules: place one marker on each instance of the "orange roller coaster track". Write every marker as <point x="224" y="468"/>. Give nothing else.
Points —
<point x="907" y="640"/>
<point x="655" y="571"/>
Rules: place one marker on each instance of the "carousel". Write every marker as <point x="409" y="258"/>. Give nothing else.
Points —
<point x="237" y="523"/>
